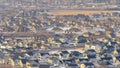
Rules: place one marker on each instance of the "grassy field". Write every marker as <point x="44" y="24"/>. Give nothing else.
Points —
<point x="76" y="12"/>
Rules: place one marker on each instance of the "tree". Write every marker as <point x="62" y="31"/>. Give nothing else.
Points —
<point x="11" y="62"/>
<point x="20" y="63"/>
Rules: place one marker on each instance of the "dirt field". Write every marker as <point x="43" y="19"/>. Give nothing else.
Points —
<point x="75" y="12"/>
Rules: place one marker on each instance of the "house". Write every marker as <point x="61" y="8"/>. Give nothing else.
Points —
<point x="118" y="50"/>
<point x="118" y="66"/>
<point x="43" y="53"/>
<point x="55" y="61"/>
<point x="44" y="66"/>
<point x="23" y="61"/>
<point x="82" y="39"/>
<point x="86" y="35"/>
<point x="89" y="65"/>
<point x="57" y="37"/>
<point x="72" y="65"/>
<point x="107" y="59"/>
<point x="83" y="60"/>
<point x="68" y="61"/>
<point x="34" y="63"/>
<point x="76" y="54"/>
<point x="118" y="58"/>
<point x="1" y="39"/>
<point x="64" y="54"/>
<point x="92" y="57"/>
<point x="30" y="53"/>
<point x="110" y="65"/>
<point x="55" y="55"/>
<point x="113" y="42"/>
<point x="90" y="51"/>
<point x="109" y="49"/>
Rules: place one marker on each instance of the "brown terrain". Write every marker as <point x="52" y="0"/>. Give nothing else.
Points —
<point x="76" y="12"/>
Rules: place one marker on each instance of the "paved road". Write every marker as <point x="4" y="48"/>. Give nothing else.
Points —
<point x="25" y="34"/>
